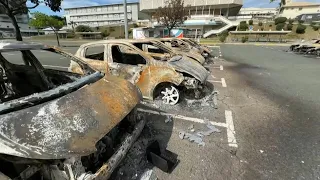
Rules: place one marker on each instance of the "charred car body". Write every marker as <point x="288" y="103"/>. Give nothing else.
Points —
<point x="184" y="48"/>
<point x="203" y="50"/>
<point x="167" y="76"/>
<point x="61" y="125"/>
<point x="306" y="47"/>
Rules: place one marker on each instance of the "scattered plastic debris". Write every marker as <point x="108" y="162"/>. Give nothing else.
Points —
<point x="192" y="138"/>
<point x="148" y="175"/>
<point x="261" y="151"/>
<point x="191" y="128"/>
<point x="197" y="137"/>
<point x="169" y="119"/>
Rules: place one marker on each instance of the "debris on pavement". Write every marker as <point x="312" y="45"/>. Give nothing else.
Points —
<point x="191" y="128"/>
<point x="192" y="138"/>
<point x="148" y="175"/>
<point x="197" y="137"/>
<point x="169" y="119"/>
<point x="166" y="160"/>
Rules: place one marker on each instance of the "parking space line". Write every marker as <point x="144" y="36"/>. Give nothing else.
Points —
<point x="223" y="82"/>
<point x="192" y="119"/>
<point x="230" y="129"/>
<point x="220" y="67"/>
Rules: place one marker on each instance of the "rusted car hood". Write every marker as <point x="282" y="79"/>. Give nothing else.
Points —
<point x="190" y="67"/>
<point x="70" y="125"/>
<point x="196" y="56"/>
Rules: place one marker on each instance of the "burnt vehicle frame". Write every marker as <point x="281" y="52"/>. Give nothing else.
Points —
<point x="58" y="124"/>
<point x="167" y="76"/>
<point x="184" y="48"/>
<point x="203" y="50"/>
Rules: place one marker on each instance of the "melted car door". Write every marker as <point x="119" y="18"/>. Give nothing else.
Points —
<point x="125" y="62"/>
<point x="95" y="55"/>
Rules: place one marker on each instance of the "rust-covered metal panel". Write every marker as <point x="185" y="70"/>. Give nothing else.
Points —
<point x="152" y="75"/>
<point x="70" y="125"/>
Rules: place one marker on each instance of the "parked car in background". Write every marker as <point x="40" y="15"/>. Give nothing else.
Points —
<point x="59" y="124"/>
<point x="156" y="74"/>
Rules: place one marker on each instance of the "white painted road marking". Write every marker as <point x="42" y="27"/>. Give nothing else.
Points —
<point x="231" y="133"/>
<point x="197" y="120"/>
<point x="223" y="82"/>
<point x="221" y="68"/>
<point x="50" y="66"/>
<point x="228" y="125"/>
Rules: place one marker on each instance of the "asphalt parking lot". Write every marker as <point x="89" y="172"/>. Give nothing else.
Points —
<point x="267" y="115"/>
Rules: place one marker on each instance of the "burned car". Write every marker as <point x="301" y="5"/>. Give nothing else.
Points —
<point x="166" y="77"/>
<point x="159" y="50"/>
<point x="183" y="47"/>
<point x="304" y="47"/>
<point x="203" y="50"/>
<point x="57" y="124"/>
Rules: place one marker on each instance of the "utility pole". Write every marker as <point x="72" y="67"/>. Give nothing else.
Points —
<point x="125" y="19"/>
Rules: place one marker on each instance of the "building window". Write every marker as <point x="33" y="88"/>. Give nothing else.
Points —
<point x="300" y="9"/>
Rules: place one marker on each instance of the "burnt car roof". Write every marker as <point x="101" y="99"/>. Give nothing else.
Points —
<point x="122" y="41"/>
<point x="6" y="46"/>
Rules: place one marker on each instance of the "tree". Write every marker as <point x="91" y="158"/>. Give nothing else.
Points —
<point x="280" y="20"/>
<point x="251" y="22"/>
<point x="260" y="23"/>
<point x="243" y="26"/>
<point x="16" y="7"/>
<point x="301" y="29"/>
<point x="289" y="27"/>
<point x="83" y="28"/>
<point x="280" y="26"/>
<point x="41" y="20"/>
<point x="173" y="14"/>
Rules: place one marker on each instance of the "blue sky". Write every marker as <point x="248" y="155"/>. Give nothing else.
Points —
<point x="75" y="3"/>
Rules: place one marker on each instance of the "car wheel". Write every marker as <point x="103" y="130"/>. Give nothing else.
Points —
<point x="171" y="95"/>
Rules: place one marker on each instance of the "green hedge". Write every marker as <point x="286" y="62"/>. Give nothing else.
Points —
<point x="301" y="29"/>
<point x="280" y="26"/>
<point x="280" y="20"/>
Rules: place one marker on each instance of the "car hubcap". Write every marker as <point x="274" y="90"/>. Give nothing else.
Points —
<point x="170" y="95"/>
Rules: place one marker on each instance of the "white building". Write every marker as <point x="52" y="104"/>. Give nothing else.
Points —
<point x="101" y="15"/>
<point x="257" y="13"/>
<point x="206" y="17"/>
<point x="7" y="29"/>
<point x="294" y="9"/>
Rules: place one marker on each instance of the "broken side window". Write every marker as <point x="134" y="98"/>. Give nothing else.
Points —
<point x="15" y="57"/>
<point x="125" y="55"/>
<point x="95" y="52"/>
<point x="149" y="47"/>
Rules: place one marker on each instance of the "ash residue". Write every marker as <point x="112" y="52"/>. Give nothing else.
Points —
<point x="135" y="163"/>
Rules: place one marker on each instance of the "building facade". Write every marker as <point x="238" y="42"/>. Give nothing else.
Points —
<point x="257" y="13"/>
<point x="7" y="29"/>
<point x="101" y="15"/>
<point x="206" y="17"/>
<point x="294" y="9"/>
